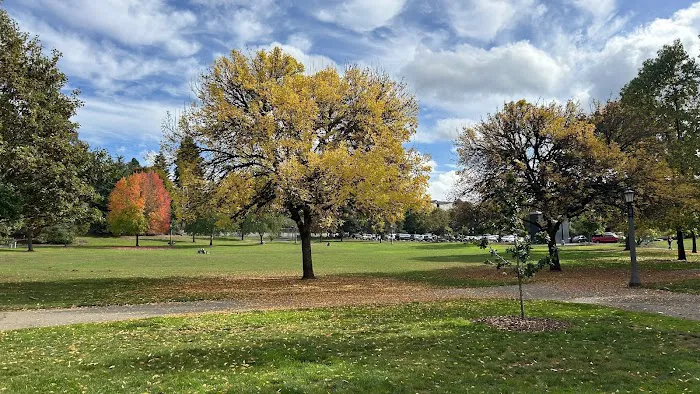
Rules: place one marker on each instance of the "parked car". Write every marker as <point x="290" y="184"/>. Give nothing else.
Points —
<point x="509" y="239"/>
<point x="404" y="237"/>
<point x="490" y="238"/>
<point x="605" y="238"/>
<point x="579" y="239"/>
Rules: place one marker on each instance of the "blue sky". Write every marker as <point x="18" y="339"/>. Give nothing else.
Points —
<point x="134" y="60"/>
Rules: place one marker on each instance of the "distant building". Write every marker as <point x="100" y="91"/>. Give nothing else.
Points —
<point x="444" y="205"/>
<point x="562" y="234"/>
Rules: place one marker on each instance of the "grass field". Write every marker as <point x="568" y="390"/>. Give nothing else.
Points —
<point x="102" y="271"/>
<point x="416" y="347"/>
<point x="409" y="347"/>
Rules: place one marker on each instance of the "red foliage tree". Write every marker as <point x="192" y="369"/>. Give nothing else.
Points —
<point x="139" y="204"/>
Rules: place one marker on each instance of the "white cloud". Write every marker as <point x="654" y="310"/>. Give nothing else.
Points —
<point x="444" y="130"/>
<point x="149" y="157"/>
<point x="601" y="9"/>
<point x="484" y="19"/>
<point x="105" y="66"/>
<point x="469" y="81"/>
<point x="433" y="165"/>
<point x="130" y="22"/>
<point x="605" y="71"/>
<point x="237" y="23"/>
<point x="441" y="185"/>
<point x="362" y="15"/>
<point x="122" y="122"/>
<point x="467" y="72"/>
<point x="300" y="41"/>
<point x="604" y="18"/>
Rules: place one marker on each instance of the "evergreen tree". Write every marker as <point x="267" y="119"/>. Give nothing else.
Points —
<point x="160" y="164"/>
<point x="134" y="165"/>
<point x="187" y="158"/>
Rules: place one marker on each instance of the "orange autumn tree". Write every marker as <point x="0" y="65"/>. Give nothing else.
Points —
<point x="139" y="204"/>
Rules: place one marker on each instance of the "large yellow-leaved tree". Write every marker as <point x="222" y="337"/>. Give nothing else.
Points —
<point x="308" y="144"/>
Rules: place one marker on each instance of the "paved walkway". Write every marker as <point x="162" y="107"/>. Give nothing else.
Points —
<point x="645" y="300"/>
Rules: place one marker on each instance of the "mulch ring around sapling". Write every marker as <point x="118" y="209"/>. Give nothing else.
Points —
<point x="528" y="324"/>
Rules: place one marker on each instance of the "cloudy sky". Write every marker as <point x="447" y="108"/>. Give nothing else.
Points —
<point x="134" y="60"/>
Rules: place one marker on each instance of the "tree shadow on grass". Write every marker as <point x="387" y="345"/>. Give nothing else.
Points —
<point x="450" y="277"/>
<point x="409" y="348"/>
<point x="443" y="246"/>
<point x="94" y="292"/>
<point x="453" y="258"/>
<point x="298" y="362"/>
<point x="177" y="246"/>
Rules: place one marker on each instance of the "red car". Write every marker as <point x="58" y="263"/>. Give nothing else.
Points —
<point x="605" y="238"/>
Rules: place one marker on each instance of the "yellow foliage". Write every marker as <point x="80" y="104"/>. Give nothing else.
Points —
<point x="309" y="142"/>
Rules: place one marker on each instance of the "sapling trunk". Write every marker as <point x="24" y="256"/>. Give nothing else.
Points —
<point x="520" y="279"/>
<point x="520" y="289"/>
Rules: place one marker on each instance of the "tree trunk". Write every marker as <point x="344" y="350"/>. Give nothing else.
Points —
<point x="242" y="236"/>
<point x="30" y="241"/>
<point x="627" y="242"/>
<point x="192" y="238"/>
<point x="681" y="246"/>
<point x="695" y="246"/>
<point x="554" y="264"/>
<point x="320" y="237"/>
<point x="342" y="233"/>
<point x="137" y="240"/>
<point x="261" y="238"/>
<point x="211" y="239"/>
<point x="304" y="226"/>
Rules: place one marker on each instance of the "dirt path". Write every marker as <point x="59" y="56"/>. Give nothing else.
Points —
<point x="609" y="291"/>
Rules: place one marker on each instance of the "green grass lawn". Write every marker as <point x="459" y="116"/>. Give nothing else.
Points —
<point x="101" y="271"/>
<point x="417" y="347"/>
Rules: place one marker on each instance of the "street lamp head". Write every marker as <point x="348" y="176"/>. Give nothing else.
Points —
<point x="629" y="196"/>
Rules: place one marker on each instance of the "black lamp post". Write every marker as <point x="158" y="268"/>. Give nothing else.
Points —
<point x="629" y="199"/>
